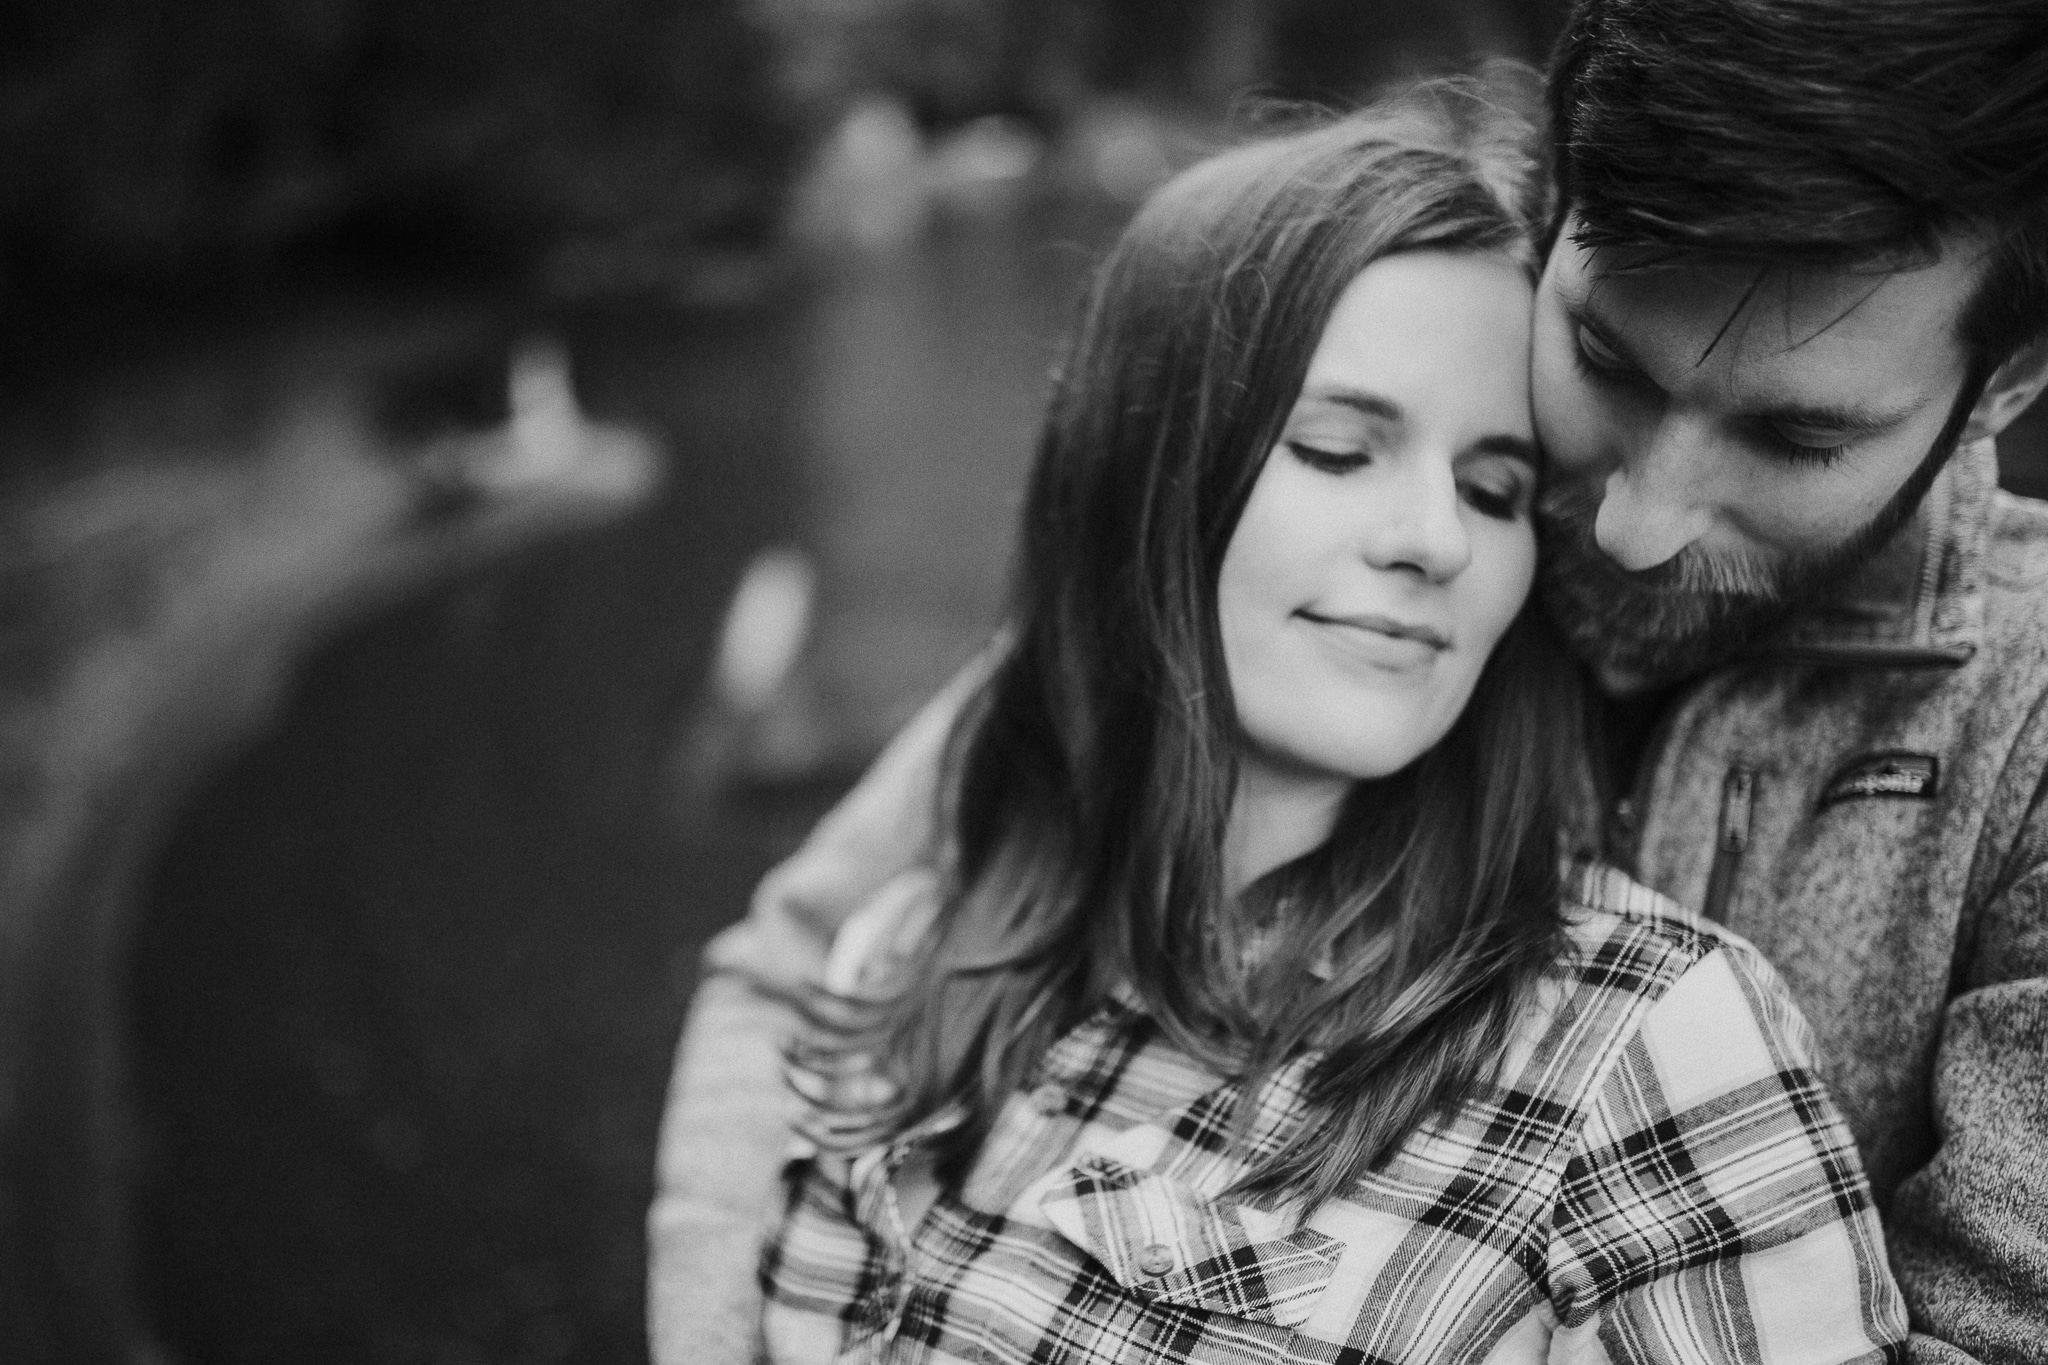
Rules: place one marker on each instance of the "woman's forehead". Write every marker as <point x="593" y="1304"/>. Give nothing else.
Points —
<point x="1433" y="334"/>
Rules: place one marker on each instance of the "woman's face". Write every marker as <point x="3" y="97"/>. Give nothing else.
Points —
<point x="1387" y="544"/>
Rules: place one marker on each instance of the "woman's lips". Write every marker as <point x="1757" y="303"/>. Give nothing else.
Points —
<point x="1380" y="642"/>
<point x="1383" y="625"/>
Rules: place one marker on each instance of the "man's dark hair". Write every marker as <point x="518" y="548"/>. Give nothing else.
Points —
<point x="1858" y="133"/>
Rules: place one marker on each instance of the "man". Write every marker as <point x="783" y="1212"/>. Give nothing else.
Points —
<point x="1800" y="282"/>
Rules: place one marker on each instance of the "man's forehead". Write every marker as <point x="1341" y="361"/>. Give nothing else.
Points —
<point x="1778" y="305"/>
<point x="1862" y="328"/>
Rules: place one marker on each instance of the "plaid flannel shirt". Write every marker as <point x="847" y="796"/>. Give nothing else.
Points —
<point x="1655" y="1176"/>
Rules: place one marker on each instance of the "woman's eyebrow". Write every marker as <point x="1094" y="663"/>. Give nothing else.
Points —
<point x="1500" y="443"/>
<point x="1359" y="400"/>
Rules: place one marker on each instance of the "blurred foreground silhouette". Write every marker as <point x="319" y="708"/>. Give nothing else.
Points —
<point x="159" y="595"/>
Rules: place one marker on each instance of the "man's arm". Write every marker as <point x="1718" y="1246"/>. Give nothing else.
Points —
<point x="1969" y="1231"/>
<point x="727" y="1124"/>
<point x="723" y="1140"/>
<point x="880" y="828"/>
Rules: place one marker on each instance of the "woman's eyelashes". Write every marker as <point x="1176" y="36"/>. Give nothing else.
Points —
<point x="1496" y="485"/>
<point x="1503" y="499"/>
<point x="1503" y="494"/>
<point x="1329" y="459"/>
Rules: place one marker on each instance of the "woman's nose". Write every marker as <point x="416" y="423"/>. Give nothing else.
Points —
<point x="1418" y="527"/>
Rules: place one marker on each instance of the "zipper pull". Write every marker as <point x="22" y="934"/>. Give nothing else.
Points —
<point x="1621" y="834"/>
<point x="1737" y="795"/>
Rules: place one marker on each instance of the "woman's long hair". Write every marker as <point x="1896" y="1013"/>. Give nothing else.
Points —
<point x="1090" y="781"/>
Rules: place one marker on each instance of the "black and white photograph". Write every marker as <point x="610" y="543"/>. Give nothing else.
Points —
<point x="1024" y="682"/>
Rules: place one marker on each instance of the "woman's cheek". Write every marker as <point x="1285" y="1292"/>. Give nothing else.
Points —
<point x="1509" y="554"/>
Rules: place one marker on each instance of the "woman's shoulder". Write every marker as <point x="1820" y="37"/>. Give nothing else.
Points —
<point x="1622" y="934"/>
<point x="1700" y="1130"/>
<point x="1640" y="972"/>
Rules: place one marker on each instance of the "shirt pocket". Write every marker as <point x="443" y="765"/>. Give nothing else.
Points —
<point x="1166" y="1243"/>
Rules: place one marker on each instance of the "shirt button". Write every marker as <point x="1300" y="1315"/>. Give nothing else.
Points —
<point x="1156" y="1260"/>
<point x="1049" y="1100"/>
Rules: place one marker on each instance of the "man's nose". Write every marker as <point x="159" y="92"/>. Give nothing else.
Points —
<point x="1420" y="529"/>
<point x="1651" y="508"/>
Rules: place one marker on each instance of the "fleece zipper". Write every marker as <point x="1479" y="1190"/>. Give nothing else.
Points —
<point x="1731" y="840"/>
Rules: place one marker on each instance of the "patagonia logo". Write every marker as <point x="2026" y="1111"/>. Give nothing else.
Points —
<point x="1888" y="774"/>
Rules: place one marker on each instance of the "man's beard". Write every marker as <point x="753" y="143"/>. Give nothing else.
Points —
<point x="1642" y="630"/>
<point x="1645" y="629"/>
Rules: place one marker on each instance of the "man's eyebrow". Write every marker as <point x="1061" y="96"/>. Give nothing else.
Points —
<point x="1832" y="418"/>
<point x="1359" y="400"/>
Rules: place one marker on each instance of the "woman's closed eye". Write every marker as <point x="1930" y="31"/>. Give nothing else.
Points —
<point x="1503" y="489"/>
<point x="1329" y="458"/>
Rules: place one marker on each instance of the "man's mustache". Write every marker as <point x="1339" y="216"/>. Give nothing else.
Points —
<point x="1567" y="513"/>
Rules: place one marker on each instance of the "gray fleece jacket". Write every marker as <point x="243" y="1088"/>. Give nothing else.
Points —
<point x="1862" y="798"/>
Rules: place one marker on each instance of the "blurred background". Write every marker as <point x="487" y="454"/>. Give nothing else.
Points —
<point x="476" y="480"/>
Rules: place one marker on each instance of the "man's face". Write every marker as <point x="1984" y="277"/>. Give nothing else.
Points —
<point x="1724" y="441"/>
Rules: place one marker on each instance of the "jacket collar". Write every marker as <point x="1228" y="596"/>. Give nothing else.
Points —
<point x="1919" y="600"/>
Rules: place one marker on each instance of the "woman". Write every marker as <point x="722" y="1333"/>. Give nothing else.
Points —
<point x="1251" y="1017"/>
